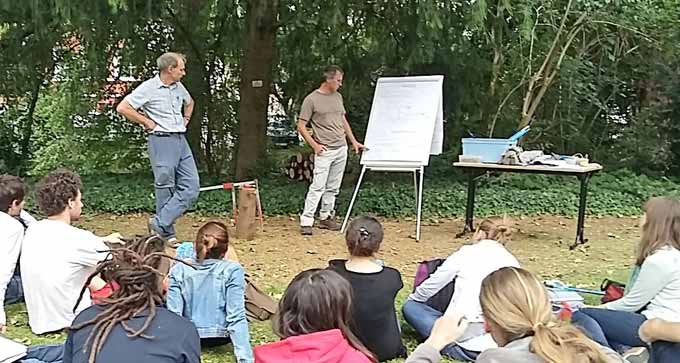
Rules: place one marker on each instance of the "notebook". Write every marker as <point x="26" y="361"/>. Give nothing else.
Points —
<point x="10" y="351"/>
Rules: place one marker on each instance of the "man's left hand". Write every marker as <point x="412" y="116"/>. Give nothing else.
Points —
<point x="358" y="147"/>
<point x="186" y="121"/>
<point x="116" y="238"/>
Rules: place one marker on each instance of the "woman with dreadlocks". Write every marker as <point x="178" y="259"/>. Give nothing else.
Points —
<point x="132" y="325"/>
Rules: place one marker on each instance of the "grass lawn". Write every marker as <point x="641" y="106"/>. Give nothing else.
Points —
<point x="278" y="253"/>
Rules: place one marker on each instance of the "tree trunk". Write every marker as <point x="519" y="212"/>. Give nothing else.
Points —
<point x="195" y="83"/>
<point x="191" y="40"/>
<point x="256" y="78"/>
<point x="27" y="127"/>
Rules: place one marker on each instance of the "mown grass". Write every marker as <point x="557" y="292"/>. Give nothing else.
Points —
<point x="260" y="332"/>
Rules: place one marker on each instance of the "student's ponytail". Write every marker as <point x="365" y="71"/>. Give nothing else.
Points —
<point x="498" y="230"/>
<point x="563" y="343"/>
<point x="212" y="241"/>
<point x="364" y="236"/>
<point x="516" y="303"/>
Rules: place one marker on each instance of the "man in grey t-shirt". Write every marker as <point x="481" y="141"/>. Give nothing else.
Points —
<point x="324" y="110"/>
<point x="167" y="108"/>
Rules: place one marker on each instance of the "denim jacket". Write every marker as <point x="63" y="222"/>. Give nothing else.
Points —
<point x="212" y="297"/>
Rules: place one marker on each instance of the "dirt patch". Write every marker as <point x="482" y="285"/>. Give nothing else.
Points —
<point x="540" y="243"/>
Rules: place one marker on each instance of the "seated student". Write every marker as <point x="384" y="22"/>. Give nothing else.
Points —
<point x="52" y="353"/>
<point x="185" y="251"/>
<point x="374" y="288"/>
<point x="25" y="218"/>
<point x="56" y="258"/>
<point x="655" y="293"/>
<point x="132" y="325"/>
<point x="313" y="323"/>
<point x="210" y="292"/>
<point x="12" y="192"/>
<point x="666" y="339"/>
<point x="468" y="267"/>
<point x="519" y="317"/>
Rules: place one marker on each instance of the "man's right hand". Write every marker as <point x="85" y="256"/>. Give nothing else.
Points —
<point x="3" y="329"/>
<point x="149" y="125"/>
<point x="318" y="148"/>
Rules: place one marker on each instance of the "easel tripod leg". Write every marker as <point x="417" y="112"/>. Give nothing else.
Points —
<point x="354" y="196"/>
<point x="415" y="187"/>
<point x="420" y="202"/>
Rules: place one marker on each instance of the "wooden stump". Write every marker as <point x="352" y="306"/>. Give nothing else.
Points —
<point x="246" y="222"/>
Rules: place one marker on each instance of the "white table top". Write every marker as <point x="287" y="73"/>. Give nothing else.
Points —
<point x="536" y="168"/>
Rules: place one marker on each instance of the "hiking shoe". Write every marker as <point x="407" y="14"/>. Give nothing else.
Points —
<point x="637" y="355"/>
<point x="306" y="230"/>
<point x="329" y="224"/>
<point x="172" y="242"/>
<point x="152" y="228"/>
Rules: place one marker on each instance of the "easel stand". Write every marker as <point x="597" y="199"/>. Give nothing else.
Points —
<point x="417" y="182"/>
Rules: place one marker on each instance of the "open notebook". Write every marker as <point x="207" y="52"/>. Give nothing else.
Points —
<point x="10" y="351"/>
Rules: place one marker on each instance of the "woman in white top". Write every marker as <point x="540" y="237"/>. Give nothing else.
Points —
<point x="656" y="291"/>
<point x="468" y="267"/>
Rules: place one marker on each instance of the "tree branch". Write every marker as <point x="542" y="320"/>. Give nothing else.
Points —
<point x="187" y="35"/>
<point x="638" y="32"/>
<point x="549" y="68"/>
<point x="220" y="33"/>
<point x="502" y="104"/>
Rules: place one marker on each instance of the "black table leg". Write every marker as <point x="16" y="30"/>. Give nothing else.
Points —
<point x="584" y="178"/>
<point x="470" y="207"/>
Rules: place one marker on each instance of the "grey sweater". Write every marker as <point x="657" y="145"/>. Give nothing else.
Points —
<point x="514" y="352"/>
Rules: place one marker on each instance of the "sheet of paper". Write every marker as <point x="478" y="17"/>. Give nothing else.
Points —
<point x="404" y="121"/>
<point x="10" y="351"/>
<point x="438" y="137"/>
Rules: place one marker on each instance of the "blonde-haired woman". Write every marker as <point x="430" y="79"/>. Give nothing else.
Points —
<point x="519" y="317"/>
<point x="655" y="293"/>
<point x="468" y="267"/>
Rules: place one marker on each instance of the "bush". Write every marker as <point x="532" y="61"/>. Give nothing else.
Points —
<point x="392" y="195"/>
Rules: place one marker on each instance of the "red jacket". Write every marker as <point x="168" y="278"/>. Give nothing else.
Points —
<point x="328" y="346"/>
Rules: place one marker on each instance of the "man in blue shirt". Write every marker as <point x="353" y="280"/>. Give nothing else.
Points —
<point x="167" y="108"/>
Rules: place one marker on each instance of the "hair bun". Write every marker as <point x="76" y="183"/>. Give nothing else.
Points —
<point x="502" y="228"/>
<point x="364" y="234"/>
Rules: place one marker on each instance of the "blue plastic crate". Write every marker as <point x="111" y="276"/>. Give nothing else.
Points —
<point x="489" y="150"/>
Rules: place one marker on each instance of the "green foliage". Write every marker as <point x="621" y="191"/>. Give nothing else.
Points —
<point x="72" y="136"/>
<point x="619" y="193"/>
<point x="615" y="96"/>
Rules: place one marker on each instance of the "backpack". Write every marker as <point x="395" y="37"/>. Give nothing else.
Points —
<point x="259" y="306"/>
<point x="612" y="290"/>
<point x="439" y="301"/>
